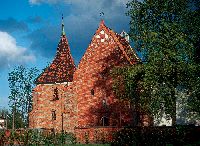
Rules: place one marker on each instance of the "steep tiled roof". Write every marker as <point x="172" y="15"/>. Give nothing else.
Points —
<point x="123" y="44"/>
<point x="131" y="54"/>
<point x="62" y="68"/>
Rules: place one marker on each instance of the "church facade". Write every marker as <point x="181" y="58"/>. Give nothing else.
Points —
<point x="74" y="98"/>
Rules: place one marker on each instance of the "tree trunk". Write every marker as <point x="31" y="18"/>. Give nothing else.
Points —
<point x="13" y="119"/>
<point x="29" y="110"/>
<point x="173" y="93"/>
<point x="173" y="114"/>
<point x="136" y="113"/>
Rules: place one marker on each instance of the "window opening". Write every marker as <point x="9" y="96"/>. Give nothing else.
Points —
<point x="92" y="92"/>
<point x="105" y="121"/>
<point x="104" y="103"/>
<point x="55" y="95"/>
<point x="53" y="114"/>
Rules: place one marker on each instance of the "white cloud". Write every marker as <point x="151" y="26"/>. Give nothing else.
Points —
<point x="82" y="18"/>
<point x="85" y="14"/>
<point x="51" y="1"/>
<point x="11" y="53"/>
<point x="88" y="11"/>
<point x="113" y="9"/>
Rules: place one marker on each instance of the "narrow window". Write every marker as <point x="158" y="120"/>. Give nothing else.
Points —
<point x="105" y="121"/>
<point x="55" y="94"/>
<point x="92" y="92"/>
<point x="53" y="114"/>
<point x="104" y="103"/>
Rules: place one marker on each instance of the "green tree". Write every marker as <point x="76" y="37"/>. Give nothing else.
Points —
<point x="4" y="113"/>
<point x="21" y="83"/>
<point x="127" y="85"/>
<point x="191" y="25"/>
<point x="159" y="30"/>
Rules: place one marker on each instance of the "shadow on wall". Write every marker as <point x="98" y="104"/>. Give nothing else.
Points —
<point x="117" y="114"/>
<point x="109" y="111"/>
<point x="108" y="63"/>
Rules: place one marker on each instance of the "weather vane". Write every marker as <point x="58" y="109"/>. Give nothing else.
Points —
<point x="101" y="14"/>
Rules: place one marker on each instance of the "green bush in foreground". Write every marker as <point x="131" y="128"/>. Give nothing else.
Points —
<point x="36" y="137"/>
<point x="157" y="136"/>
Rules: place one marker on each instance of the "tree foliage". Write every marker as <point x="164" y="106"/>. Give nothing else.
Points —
<point x="167" y="33"/>
<point x="21" y="83"/>
<point x="4" y="113"/>
<point x="128" y="85"/>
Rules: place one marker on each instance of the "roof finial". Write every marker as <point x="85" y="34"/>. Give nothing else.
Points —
<point x="63" y="30"/>
<point x="101" y="15"/>
<point x="102" y="21"/>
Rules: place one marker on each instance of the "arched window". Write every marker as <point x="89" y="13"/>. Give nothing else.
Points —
<point x="53" y="114"/>
<point x="104" y="121"/>
<point x="55" y="94"/>
<point x="104" y="104"/>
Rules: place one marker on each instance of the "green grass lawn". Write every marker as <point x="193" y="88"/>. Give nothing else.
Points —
<point x="75" y="145"/>
<point x="92" y="144"/>
<point x="80" y="145"/>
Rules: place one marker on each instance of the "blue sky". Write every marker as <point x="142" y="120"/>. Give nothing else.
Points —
<point x="30" y="31"/>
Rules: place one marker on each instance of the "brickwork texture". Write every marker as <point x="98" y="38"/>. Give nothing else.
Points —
<point x="85" y="99"/>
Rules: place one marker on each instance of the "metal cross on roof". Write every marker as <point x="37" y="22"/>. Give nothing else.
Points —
<point x="63" y="29"/>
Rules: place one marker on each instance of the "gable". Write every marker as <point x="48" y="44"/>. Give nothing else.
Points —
<point x="109" y="48"/>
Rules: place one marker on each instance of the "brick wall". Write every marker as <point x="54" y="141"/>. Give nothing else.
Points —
<point x="44" y="105"/>
<point x="93" y="75"/>
<point x="95" y="134"/>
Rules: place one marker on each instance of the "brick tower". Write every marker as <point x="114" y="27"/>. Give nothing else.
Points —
<point x="50" y="93"/>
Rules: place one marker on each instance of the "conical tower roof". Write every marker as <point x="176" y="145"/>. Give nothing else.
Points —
<point x="62" y="68"/>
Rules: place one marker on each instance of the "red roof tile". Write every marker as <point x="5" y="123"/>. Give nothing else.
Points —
<point x="127" y="48"/>
<point x="123" y="44"/>
<point x="62" y="68"/>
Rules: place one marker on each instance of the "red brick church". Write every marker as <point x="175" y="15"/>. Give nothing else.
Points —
<point x="80" y="99"/>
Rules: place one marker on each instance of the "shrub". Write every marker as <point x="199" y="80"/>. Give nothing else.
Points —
<point x="157" y="136"/>
<point x="37" y="137"/>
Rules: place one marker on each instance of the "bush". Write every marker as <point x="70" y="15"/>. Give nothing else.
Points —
<point x="37" y="137"/>
<point x="157" y="136"/>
